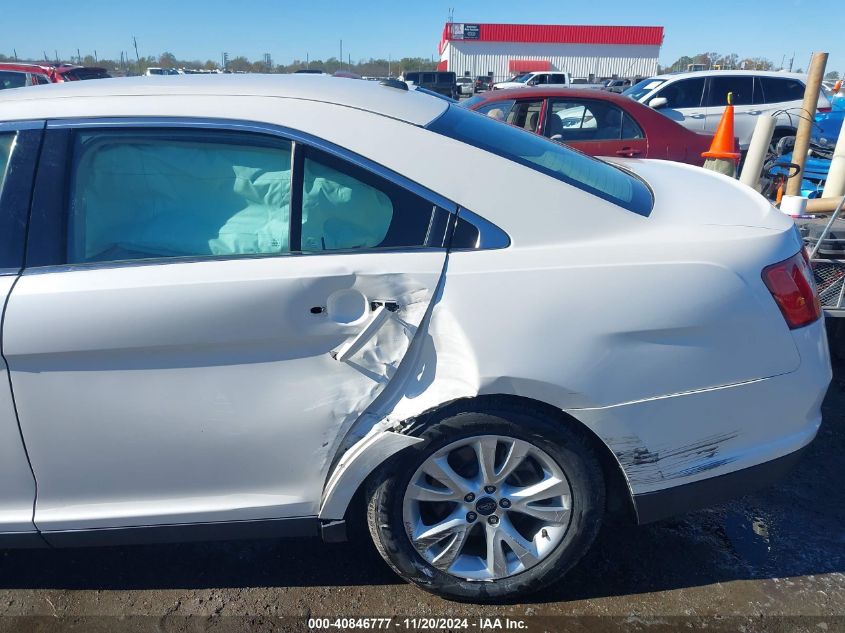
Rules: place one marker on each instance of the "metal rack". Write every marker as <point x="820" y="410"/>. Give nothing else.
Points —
<point x="829" y="273"/>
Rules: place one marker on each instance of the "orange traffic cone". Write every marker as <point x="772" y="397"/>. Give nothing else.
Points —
<point x="722" y="156"/>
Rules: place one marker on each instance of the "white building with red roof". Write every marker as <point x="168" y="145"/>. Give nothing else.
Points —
<point x="503" y="50"/>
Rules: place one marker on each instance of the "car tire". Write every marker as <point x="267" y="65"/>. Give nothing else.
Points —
<point x="565" y="444"/>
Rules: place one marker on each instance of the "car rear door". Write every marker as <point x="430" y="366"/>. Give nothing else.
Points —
<point x="203" y="314"/>
<point x="595" y="127"/>
<point x="19" y="145"/>
<point x="741" y="87"/>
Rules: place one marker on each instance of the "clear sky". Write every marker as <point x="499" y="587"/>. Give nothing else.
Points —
<point x="202" y="29"/>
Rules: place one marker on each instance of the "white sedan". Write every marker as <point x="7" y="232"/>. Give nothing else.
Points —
<point x="258" y="306"/>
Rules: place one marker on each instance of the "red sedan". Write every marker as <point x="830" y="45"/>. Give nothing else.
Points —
<point x="47" y="73"/>
<point x="596" y="122"/>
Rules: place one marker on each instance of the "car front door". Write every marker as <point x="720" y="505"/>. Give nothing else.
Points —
<point x="19" y="143"/>
<point x="598" y="128"/>
<point x="684" y="102"/>
<point x="203" y="314"/>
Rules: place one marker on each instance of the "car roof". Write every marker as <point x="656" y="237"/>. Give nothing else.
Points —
<point x="25" y="68"/>
<point x="410" y="106"/>
<point x="579" y="93"/>
<point x="715" y="73"/>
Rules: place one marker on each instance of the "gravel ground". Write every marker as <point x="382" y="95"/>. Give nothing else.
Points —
<point x="772" y="561"/>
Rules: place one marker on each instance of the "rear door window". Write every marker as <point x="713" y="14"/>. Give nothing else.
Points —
<point x="585" y="120"/>
<point x="684" y="93"/>
<point x="345" y="207"/>
<point x="18" y="153"/>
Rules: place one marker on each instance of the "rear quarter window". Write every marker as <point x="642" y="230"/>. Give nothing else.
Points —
<point x="563" y="163"/>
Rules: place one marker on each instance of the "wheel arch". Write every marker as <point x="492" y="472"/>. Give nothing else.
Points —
<point x="347" y="482"/>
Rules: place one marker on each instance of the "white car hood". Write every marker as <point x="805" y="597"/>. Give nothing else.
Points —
<point x="509" y="84"/>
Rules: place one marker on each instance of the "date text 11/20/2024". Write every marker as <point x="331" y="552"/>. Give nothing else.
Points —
<point x="418" y="624"/>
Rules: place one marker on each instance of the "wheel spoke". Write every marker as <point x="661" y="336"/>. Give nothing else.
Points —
<point x="554" y="514"/>
<point x="548" y="488"/>
<point x="497" y="565"/>
<point x="485" y="452"/>
<point x="424" y="492"/>
<point x="443" y="561"/>
<point x="440" y="470"/>
<point x="427" y="535"/>
<point x="517" y="453"/>
<point x="524" y="549"/>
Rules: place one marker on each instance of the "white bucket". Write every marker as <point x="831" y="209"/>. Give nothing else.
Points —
<point x="794" y="205"/>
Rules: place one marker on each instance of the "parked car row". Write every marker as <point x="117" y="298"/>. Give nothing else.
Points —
<point x="17" y="75"/>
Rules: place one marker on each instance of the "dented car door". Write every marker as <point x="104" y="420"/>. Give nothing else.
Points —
<point x="220" y="308"/>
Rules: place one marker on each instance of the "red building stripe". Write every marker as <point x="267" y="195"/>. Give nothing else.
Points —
<point x="563" y="34"/>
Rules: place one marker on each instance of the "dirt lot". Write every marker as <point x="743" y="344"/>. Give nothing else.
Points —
<point x="773" y="561"/>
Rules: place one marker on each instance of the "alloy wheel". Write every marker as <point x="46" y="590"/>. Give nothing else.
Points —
<point x="487" y="507"/>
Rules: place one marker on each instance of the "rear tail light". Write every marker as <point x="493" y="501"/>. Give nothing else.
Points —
<point x="794" y="290"/>
<point x="825" y="109"/>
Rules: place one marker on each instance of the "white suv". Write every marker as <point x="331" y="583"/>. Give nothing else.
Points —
<point x="697" y="100"/>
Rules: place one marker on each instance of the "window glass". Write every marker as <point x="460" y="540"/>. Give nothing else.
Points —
<point x="526" y="114"/>
<point x="582" y="120"/>
<point x="559" y="79"/>
<point x="346" y="208"/>
<point x="498" y="110"/>
<point x="7" y="141"/>
<point x="777" y="90"/>
<point x="12" y="79"/>
<point x="630" y="129"/>
<point x="643" y="88"/>
<point x="685" y="93"/>
<point x="741" y="87"/>
<point x="553" y="159"/>
<point x="145" y="194"/>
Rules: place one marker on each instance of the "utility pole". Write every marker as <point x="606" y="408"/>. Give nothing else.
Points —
<point x="15" y="51"/>
<point x="78" y="57"/>
<point x="791" y="61"/>
<point x="46" y="59"/>
<point x="307" y="61"/>
<point x="57" y="56"/>
<point x="137" y="56"/>
<point x="96" y="60"/>
<point x="341" y="54"/>
<point x="388" y="65"/>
